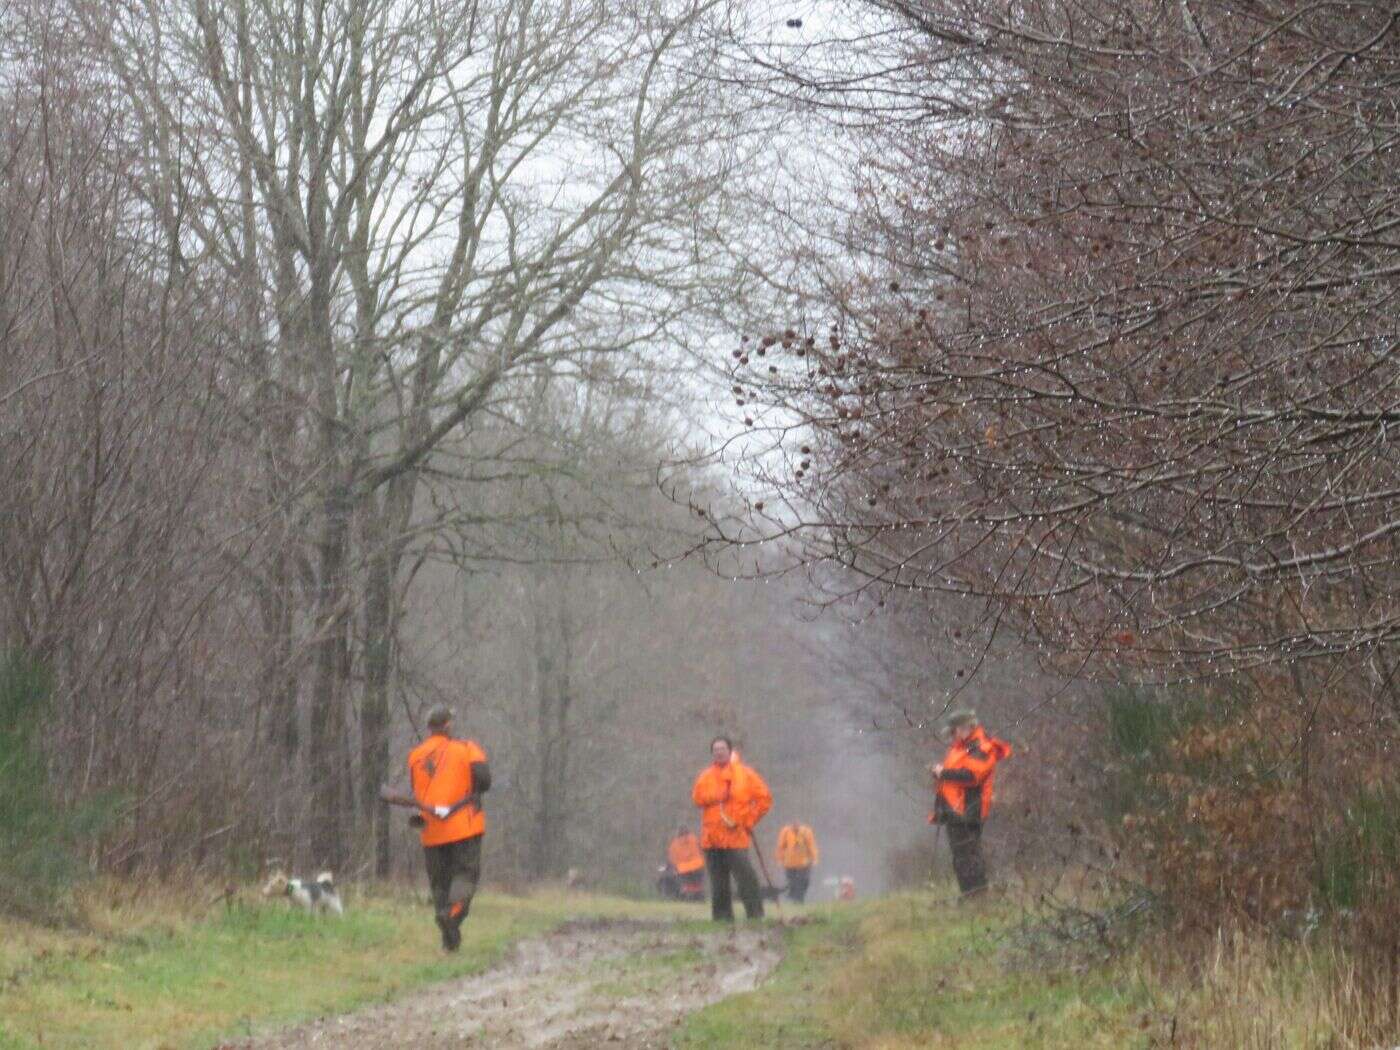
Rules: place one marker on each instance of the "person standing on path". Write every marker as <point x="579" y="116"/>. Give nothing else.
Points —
<point x="448" y="778"/>
<point x="963" y="781"/>
<point x="798" y="855"/>
<point x="732" y="799"/>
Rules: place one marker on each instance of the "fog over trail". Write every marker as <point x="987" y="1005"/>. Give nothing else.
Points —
<point x="847" y="784"/>
<point x="594" y="761"/>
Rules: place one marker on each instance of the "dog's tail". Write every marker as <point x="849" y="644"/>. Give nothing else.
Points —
<point x="325" y="880"/>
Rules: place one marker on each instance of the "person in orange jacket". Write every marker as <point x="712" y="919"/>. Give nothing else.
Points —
<point x="798" y="855"/>
<point x="732" y="798"/>
<point x="684" y="877"/>
<point x="963" y="781"/>
<point x="448" y="778"/>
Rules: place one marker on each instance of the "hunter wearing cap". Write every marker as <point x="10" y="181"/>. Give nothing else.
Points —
<point x="448" y="777"/>
<point x="963" y="781"/>
<point x="732" y="799"/>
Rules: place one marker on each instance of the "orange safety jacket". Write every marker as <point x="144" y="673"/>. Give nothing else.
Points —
<point x="684" y="854"/>
<point x="797" y="846"/>
<point x="440" y="770"/>
<point x="965" y="784"/>
<point x="735" y="791"/>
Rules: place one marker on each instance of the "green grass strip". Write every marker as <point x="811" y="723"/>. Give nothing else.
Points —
<point x="909" y="971"/>
<point x="248" y="968"/>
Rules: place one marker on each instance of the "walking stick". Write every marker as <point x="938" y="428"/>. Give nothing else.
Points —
<point x="763" y="867"/>
<point x="762" y="864"/>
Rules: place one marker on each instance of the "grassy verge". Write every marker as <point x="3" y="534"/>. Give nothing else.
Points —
<point x="907" y="972"/>
<point x="150" y="969"/>
<point x="157" y="971"/>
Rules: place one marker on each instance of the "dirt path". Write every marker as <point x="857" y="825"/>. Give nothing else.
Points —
<point x="588" y="984"/>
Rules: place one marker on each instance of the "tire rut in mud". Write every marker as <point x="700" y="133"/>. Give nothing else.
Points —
<point x="587" y="984"/>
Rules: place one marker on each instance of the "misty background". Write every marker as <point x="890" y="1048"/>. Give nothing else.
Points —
<point x="354" y="368"/>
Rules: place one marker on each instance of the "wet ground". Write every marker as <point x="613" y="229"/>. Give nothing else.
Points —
<point x="588" y="984"/>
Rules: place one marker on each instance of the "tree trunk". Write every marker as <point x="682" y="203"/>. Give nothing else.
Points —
<point x="374" y="709"/>
<point x="327" y="697"/>
<point x="386" y="526"/>
<point x="549" y="854"/>
<point x="279" y="679"/>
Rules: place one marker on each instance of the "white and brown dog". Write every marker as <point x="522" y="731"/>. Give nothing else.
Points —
<point x="314" y="896"/>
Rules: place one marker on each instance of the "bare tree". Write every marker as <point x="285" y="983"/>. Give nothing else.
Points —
<point x="1117" y="353"/>
<point x="113" y="433"/>
<point x="1112" y="360"/>
<point x="417" y="204"/>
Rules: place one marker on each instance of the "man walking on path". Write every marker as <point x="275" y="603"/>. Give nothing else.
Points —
<point x="732" y="799"/>
<point x="963" y="781"/>
<point x="797" y="853"/>
<point x="448" y="778"/>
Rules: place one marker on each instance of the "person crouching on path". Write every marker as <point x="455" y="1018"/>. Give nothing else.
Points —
<point x="963" y="781"/>
<point x="684" y="858"/>
<point x="448" y="778"/>
<point x="797" y="853"/>
<point x="732" y="799"/>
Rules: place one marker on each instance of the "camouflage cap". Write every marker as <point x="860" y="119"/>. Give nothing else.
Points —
<point x="439" y="716"/>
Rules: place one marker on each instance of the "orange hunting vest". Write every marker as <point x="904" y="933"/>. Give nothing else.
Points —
<point x="440" y="770"/>
<point x="735" y="791"/>
<point x="684" y="854"/>
<point x="797" y="846"/>
<point x="968" y="771"/>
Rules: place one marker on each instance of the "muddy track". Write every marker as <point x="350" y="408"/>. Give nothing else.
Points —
<point x="588" y="984"/>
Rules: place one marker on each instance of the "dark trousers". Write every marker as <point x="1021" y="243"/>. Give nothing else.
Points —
<point x="798" y="879"/>
<point x="721" y="864"/>
<point x="454" y="869"/>
<point x="965" y="841"/>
